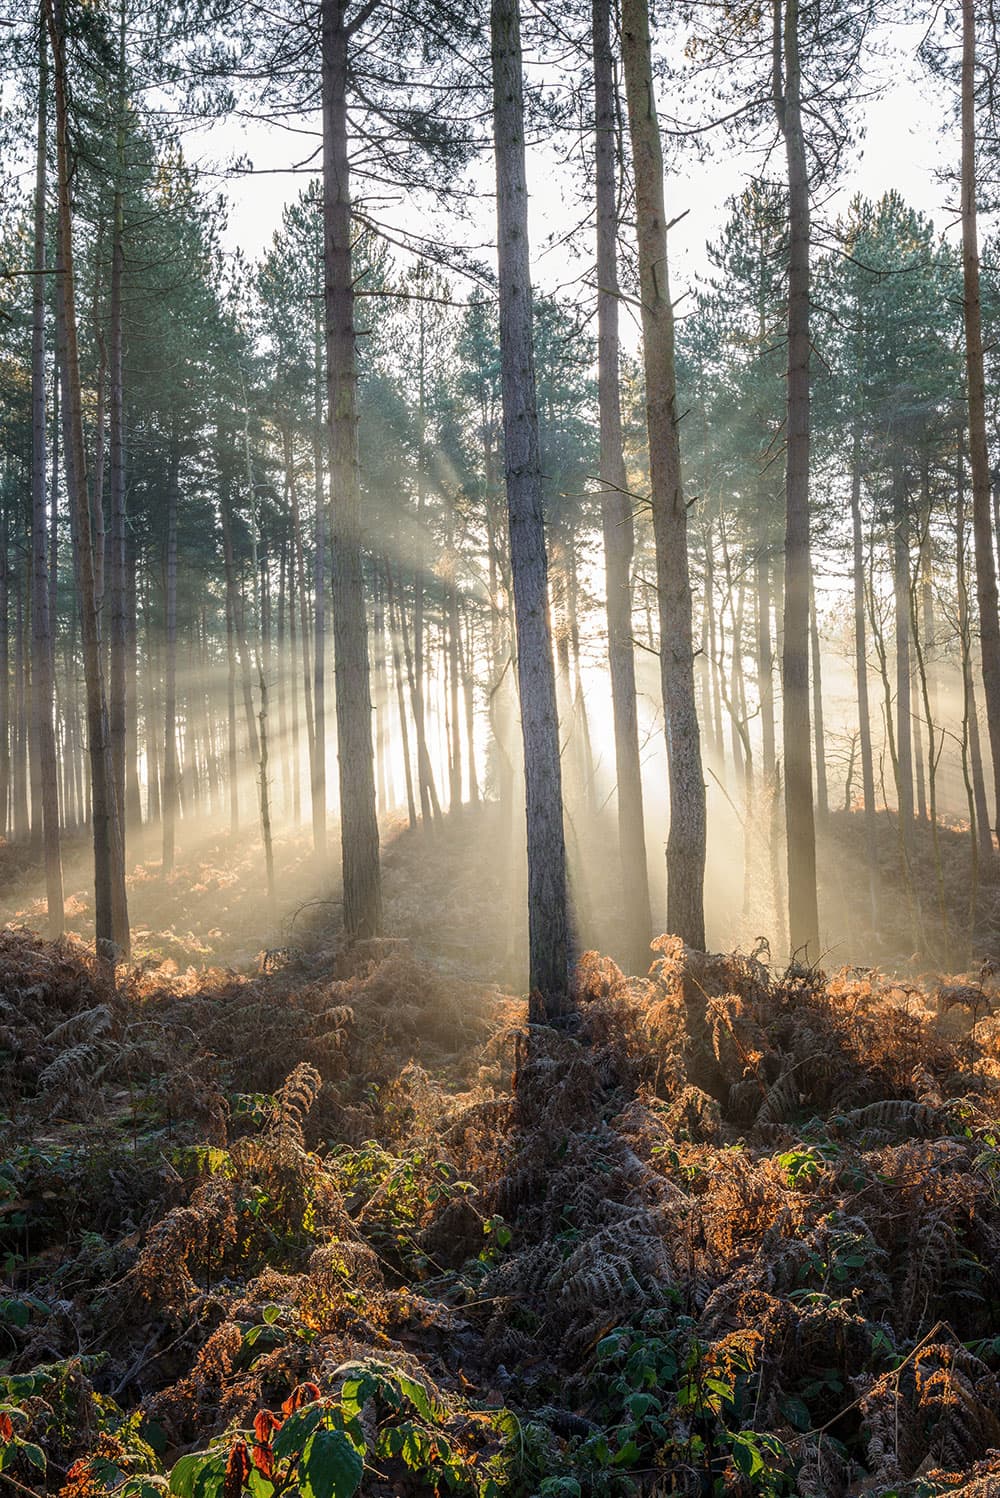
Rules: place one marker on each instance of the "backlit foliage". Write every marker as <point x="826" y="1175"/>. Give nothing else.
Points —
<point x="737" y="1233"/>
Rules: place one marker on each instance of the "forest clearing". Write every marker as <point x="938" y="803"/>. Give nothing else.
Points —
<point x="499" y="749"/>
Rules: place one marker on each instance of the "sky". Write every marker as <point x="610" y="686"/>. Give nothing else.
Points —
<point x="902" y="147"/>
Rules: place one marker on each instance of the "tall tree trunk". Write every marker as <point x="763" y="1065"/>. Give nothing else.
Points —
<point x="133" y="791"/>
<point x="454" y="673"/>
<point x="425" y="774"/>
<point x="686" y="838"/>
<point x="19" y="779"/>
<point x="358" y="816"/>
<point x="118" y="601"/>
<point x="232" y="755"/>
<point x="42" y="690"/>
<point x="303" y="596"/>
<point x="979" y="462"/>
<point x="170" y="758"/>
<point x="979" y="808"/>
<point x="616" y="511"/>
<point x="716" y="648"/>
<point x="861" y="672"/>
<point x="901" y="599"/>
<point x="822" y="796"/>
<point x="765" y="659"/>
<point x="5" y="766"/>
<point x="548" y="916"/>
<point x="800" y="830"/>
<point x="469" y="687"/>
<point x="109" y="881"/>
<point x="318" y="767"/>
<point x="397" y="671"/>
<point x="154" y="801"/>
<point x="381" y="695"/>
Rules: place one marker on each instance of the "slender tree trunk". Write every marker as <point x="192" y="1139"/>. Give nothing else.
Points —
<point x="979" y="808"/>
<point x="548" y="918"/>
<point x="318" y="767"/>
<point x="454" y="674"/>
<point x="397" y="671"/>
<point x="232" y="755"/>
<point x="286" y="649"/>
<point x="381" y="695"/>
<point x="109" y="883"/>
<point x="686" y="839"/>
<point x="21" y="816"/>
<point x="5" y="725"/>
<point x="715" y="651"/>
<point x="986" y="572"/>
<point x="303" y="595"/>
<point x="133" y="791"/>
<point x="765" y="659"/>
<point x="822" y="796"/>
<point x="616" y="510"/>
<point x="154" y="800"/>
<point x="468" y="687"/>
<point x="800" y="830"/>
<point x="170" y="758"/>
<point x="358" y="816"/>
<point x="425" y="774"/>
<point x="118" y="602"/>
<point x="901" y="598"/>
<point x="41" y="667"/>
<point x="861" y="673"/>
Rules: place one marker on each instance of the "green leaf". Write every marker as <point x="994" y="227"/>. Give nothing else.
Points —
<point x="297" y="1429"/>
<point x="34" y="1454"/>
<point x="330" y="1466"/>
<point x="627" y="1455"/>
<point x="271" y="1314"/>
<point x="356" y="1391"/>
<point x="418" y="1396"/>
<point x="198" y="1475"/>
<point x="17" y="1312"/>
<point x="183" y="1474"/>
<point x="143" y="1487"/>
<point x="746" y="1456"/>
<point x="639" y="1405"/>
<point x="273" y="1336"/>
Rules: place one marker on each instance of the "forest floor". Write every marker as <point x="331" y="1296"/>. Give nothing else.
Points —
<point x="339" y="1221"/>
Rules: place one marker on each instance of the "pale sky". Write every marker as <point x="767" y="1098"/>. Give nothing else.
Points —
<point x="902" y="147"/>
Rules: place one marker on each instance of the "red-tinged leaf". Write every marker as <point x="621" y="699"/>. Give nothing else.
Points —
<point x="6" y="1428"/>
<point x="265" y="1423"/>
<point x="238" y="1469"/>
<point x="263" y="1460"/>
<point x="300" y="1395"/>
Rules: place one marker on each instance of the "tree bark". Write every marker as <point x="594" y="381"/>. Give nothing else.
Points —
<point x="170" y="757"/>
<point x="118" y="602"/>
<point x="318" y="768"/>
<point x="861" y="671"/>
<point x="979" y="462"/>
<point x="765" y="659"/>
<point x="822" y="796"/>
<point x="800" y="830"/>
<point x="42" y="689"/>
<point x="616" y="512"/>
<point x="397" y="671"/>
<point x="901" y="601"/>
<point x="5" y="766"/>
<point x="686" y="839"/>
<point x="548" y="919"/>
<point x="109" y="884"/>
<point x="358" y="816"/>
